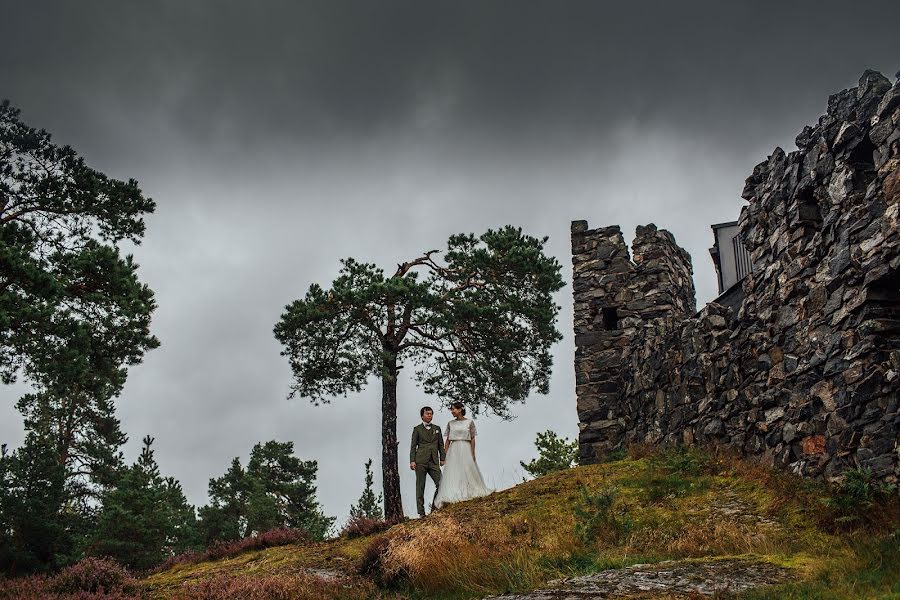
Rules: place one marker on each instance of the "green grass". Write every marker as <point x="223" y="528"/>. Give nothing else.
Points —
<point x="672" y="505"/>
<point x="871" y="571"/>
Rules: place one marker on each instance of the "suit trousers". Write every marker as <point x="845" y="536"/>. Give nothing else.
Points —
<point x="434" y="470"/>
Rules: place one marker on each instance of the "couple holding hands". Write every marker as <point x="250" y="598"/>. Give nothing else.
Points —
<point x="454" y="450"/>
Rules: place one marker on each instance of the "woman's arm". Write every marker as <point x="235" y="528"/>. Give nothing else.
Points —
<point x="472" y="437"/>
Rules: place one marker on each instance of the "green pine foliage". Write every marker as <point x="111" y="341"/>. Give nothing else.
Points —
<point x="145" y="518"/>
<point x="479" y="327"/>
<point x="554" y="454"/>
<point x="73" y="314"/>
<point x="86" y="438"/>
<point x="38" y="533"/>
<point x="275" y="490"/>
<point x="368" y="506"/>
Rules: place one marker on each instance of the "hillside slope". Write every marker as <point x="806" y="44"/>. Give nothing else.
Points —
<point x="729" y="525"/>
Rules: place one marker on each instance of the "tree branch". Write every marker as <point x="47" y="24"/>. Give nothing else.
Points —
<point x="405" y="322"/>
<point x="425" y="259"/>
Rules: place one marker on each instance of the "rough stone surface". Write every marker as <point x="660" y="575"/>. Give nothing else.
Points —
<point x="805" y="373"/>
<point x="674" y="578"/>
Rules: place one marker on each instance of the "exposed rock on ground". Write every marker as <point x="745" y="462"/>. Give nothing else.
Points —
<point x="672" y="579"/>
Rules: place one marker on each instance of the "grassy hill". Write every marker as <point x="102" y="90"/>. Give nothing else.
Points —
<point x="713" y="514"/>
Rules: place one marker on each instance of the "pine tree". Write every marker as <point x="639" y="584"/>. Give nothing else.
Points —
<point x="86" y="437"/>
<point x="277" y="489"/>
<point x="73" y="314"/>
<point x="38" y="533"/>
<point x="368" y="507"/>
<point x="73" y="317"/>
<point x="145" y="518"/>
<point x="554" y="454"/>
<point x="479" y="328"/>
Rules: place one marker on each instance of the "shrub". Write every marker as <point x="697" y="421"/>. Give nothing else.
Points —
<point x="88" y="579"/>
<point x="372" y="564"/>
<point x="614" y="455"/>
<point x="598" y="516"/>
<point x="859" y="498"/>
<point x="92" y="575"/>
<point x="362" y="526"/>
<point x="27" y="588"/>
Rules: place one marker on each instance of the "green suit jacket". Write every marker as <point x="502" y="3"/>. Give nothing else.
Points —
<point x="426" y="445"/>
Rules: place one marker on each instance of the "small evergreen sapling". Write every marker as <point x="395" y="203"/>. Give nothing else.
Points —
<point x="368" y="506"/>
<point x="554" y="454"/>
<point x="366" y="516"/>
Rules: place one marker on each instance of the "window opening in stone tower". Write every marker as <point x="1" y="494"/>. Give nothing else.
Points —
<point x="610" y="318"/>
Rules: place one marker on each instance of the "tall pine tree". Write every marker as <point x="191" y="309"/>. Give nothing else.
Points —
<point x="73" y="318"/>
<point x="479" y="328"/>
<point x="73" y="314"/>
<point x="86" y="439"/>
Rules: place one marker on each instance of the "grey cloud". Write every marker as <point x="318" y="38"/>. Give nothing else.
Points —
<point x="320" y="70"/>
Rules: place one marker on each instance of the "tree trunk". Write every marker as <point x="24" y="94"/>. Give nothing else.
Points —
<point x="393" y="504"/>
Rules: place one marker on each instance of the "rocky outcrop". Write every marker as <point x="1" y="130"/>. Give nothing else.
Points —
<point x="806" y="372"/>
<point x="674" y="579"/>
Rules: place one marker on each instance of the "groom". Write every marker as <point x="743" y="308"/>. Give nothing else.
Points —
<point x="426" y="455"/>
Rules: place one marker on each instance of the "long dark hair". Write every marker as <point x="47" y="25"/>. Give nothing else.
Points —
<point x="460" y="406"/>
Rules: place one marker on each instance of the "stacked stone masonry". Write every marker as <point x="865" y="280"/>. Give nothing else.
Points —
<point x="806" y="373"/>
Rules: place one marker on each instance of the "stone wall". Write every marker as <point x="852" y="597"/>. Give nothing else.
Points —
<point x="806" y="373"/>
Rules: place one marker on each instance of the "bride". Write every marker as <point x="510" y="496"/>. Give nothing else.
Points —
<point x="461" y="478"/>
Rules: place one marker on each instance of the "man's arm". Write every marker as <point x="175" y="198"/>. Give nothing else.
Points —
<point x="441" y="448"/>
<point x="412" y="448"/>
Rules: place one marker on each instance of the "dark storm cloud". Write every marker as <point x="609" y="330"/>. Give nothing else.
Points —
<point x="278" y="137"/>
<point x="324" y="70"/>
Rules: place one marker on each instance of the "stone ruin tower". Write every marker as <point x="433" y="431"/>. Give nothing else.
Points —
<point x="802" y="369"/>
<point x="615" y="297"/>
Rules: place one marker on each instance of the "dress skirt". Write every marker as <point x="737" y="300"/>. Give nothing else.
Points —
<point x="461" y="478"/>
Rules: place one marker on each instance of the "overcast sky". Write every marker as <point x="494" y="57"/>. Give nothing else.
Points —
<point x="279" y="137"/>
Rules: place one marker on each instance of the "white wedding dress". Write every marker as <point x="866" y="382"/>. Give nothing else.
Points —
<point x="461" y="478"/>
